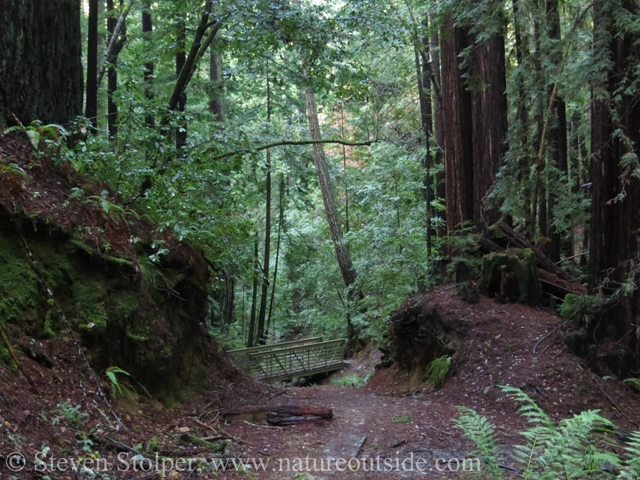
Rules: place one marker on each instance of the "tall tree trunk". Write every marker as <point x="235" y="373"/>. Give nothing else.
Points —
<point x="489" y="109"/>
<point x="615" y="201"/>
<point x="424" y="98"/>
<point x="438" y="123"/>
<point x="181" y="57"/>
<point x="147" y="30"/>
<point x="343" y="255"/>
<point x="32" y="30"/>
<point x="112" y="72"/>
<point x="324" y="179"/>
<point x="557" y="141"/>
<point x="275" y="269"/>
<point x="521" y="125"/>
<point x="91" y="110"/>
<point x="254" y="295"/>
<point x="267" y="235"/>
<point x="458" y="130"/>
<point x="216" y="104"/>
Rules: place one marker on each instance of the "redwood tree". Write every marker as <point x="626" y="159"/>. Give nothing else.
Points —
<point x="615" y="207"/>
<point x="474" y="108"/>
<point x="40" y="60"/>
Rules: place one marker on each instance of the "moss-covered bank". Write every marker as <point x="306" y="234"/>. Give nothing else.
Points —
<point x="146" y="322"/>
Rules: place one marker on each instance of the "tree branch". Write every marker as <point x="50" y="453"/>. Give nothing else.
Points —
<point x="112" y="40"/>
<point x="192" y="58"/>
<point x="291" y="142"/>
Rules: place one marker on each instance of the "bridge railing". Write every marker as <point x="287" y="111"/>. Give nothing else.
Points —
<point x="280" y="362"/>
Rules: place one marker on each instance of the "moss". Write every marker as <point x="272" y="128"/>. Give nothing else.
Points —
<point x="5" y="358"/>
<point x="18" y="284"/>
<point x="575" y="307"/>
<point x="122" y="305"/>
<point x="136" y="338"/>
<point x="90" y="310"/>
<point x="80" y="245"/>
<point x="512" y="275"/>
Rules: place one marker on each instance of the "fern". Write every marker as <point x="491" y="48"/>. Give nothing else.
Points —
<point x="574" y="448"/>
<point x="631" y="465"/>
<point x="481" y="432"/>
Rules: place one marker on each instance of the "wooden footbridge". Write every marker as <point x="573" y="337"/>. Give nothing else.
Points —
<point x="288" y="360"/>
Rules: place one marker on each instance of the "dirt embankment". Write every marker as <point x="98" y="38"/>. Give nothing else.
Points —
<point x="73" y="259"/>
<point x="492" y="344"/>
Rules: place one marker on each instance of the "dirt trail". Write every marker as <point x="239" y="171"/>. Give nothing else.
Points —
<point x="384" y="433"/>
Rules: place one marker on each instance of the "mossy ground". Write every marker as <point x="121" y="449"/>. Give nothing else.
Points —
<point x="123" y="320"/>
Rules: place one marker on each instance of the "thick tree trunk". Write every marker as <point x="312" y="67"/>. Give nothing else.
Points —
<point x="489" y="107"/>
<point x="30" y="31"/>
<point x="557" y="137"/>
<point x="456" y="112"/>
<point x="91" y="109"/>
<point x="615" y="201"/>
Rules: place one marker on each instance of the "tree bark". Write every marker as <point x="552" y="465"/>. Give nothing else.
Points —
<point x="275" y="269"/>
<point x="91" y="109"/>
<point x="457" y="115"/>
<point x="438" y="123"/>
<point x="118" y="38"/>
<point x="615" y="200"/>
<point x="30" y="88"/>
<point x="489" y="110"/>
<point x="557" y="137"/>
<point x="324" y="179"/>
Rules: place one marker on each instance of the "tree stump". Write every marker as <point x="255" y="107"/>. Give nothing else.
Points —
<point x="511" y="277"/>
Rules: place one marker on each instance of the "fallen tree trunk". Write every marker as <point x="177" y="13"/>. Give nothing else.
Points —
<point x="279" y="415"/>
<point x="559" y="287"/>
<point x="518" y="240"/>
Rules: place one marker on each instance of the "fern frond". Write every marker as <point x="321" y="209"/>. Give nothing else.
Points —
<point x="482" y="433"/>
<point x="631" y="462"/>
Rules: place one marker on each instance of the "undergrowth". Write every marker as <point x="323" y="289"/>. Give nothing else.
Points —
<point x="574" y="448"/>
<point x="353" y="380"/>
<point x="436" y="372"/>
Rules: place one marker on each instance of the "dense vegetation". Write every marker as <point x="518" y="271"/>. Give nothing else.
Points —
<point x="329" y="157"/>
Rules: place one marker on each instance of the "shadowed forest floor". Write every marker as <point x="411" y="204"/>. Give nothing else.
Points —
<point x="393" y="418"/>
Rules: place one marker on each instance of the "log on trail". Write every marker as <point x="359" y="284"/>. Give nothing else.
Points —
<point x="279" y="415"/>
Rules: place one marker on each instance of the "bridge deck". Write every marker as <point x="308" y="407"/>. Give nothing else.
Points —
<point x="282" y="361"/>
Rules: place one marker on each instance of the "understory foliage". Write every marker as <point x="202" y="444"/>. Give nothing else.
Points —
<point x="574" y="448"/>
<point x="229" y="167"/>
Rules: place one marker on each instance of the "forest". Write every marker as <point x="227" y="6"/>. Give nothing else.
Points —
<point x="260" y="171"/>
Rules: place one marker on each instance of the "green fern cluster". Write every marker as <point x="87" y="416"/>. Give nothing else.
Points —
<point x="574" y="448"/>
<point x="436" y="372"/>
